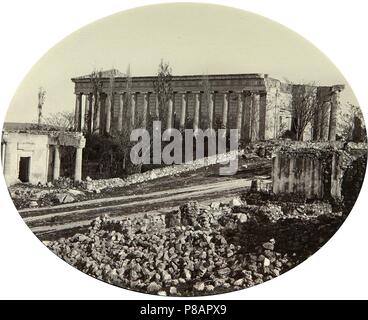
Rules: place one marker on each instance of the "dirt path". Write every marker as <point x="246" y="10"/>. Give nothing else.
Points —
<point x="158" y="196"/>
<point x="67" y="220"/>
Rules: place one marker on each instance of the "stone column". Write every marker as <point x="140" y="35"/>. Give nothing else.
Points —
<point x="183" y="110"/>
<point x="157" y="107"/>
<point x="11" y="162"/>
<point x="78" y="112"/>
<point x="197" y="99"/>
<point x="211" y="108"/>
<point x="96" y="111"/>
<point x="133" y="99"/>
<point x="102" y="117"/>
<point x="2" y="155"/>
<point x="78" y="164"/>
<point x="265" y="120"/>
<point x="79" y="159"/>
<point x="90" y="113"/>
<point x="225" y="109"/>
<point x="276" y="120"/>
<point x="56" y="169"/>
<point x="335" y="105"/>
<point x="325" y="121"/>
<point x="146" y="96"/>
<point x="169" y="113"/>
<point x="108" y="104"/>
<point x="120" y="113"/>
<point x="239" y="113"/>
<point x="85" y="114"/>
<point x="255" y="116"/>
<point x="247" y="116"/>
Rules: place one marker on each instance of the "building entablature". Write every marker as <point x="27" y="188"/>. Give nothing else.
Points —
<point x="218" y="83"/>
<point x="72" y="139"/>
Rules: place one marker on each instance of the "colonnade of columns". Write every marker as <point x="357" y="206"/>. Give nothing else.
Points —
<point x="77" y="164"/>
<point x="97" y="115"/>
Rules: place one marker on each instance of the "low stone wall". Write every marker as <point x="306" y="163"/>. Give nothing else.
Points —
<point x="93" y="185"/>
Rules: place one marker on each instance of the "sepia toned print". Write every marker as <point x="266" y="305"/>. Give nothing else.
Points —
<point x="195" y="174"/>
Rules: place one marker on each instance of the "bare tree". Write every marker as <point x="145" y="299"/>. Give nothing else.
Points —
<point x="130" y="113"/>
<point x="128" y="77"/>
<point x="163" y="88"/>
<point x="41" y="101"/>
<point x="110" y="100"/>
<point x="122" y="138"/>
<point x="207" y="90"/>
<point x="304" y="108"/>
<point x="59" y="121"/>
<point x="96" y="82"/>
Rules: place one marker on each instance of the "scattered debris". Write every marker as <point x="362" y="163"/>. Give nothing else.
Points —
<point x="63" y="198"/>
<point x="235" y="202"/>
<point x="196" y="250"/>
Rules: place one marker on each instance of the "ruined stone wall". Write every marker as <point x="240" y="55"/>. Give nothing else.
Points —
<point x="298" y="174"/>
<point x="316" y="171"/>
<point x="26" y="145"/>
<point x="36" y="145"/>
<point x="349" y="164"/>
<point x="278" y="108"/>
<point x="325" y="120"/>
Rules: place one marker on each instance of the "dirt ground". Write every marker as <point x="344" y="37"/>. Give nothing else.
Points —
<point x="161" y="195"/>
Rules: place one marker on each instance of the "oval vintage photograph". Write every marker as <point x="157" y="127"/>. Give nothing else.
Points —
<point x="184" y="149"/>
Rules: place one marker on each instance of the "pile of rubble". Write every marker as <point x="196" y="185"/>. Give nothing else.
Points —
<point x="30" y="196"/>
<point x="193" y="251"/>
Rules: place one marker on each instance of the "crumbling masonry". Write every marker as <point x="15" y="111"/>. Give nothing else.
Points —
<point x="314" y="170"/>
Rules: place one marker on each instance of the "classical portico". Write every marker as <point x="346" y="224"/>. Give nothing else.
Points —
<point x="255" y="104"/>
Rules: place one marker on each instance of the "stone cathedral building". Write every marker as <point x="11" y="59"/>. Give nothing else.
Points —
<point x="259" y="106"/>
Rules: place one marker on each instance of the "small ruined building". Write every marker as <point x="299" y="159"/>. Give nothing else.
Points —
<point x="34" y="155"/>
<point x="321" y="170"/>
<point x="259" y="106"/>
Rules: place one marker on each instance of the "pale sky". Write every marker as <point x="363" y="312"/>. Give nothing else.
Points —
<point x="193" y="38"/>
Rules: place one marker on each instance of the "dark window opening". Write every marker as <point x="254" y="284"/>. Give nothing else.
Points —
<point x="24" y="164"/>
